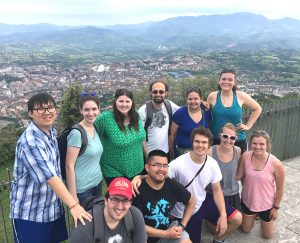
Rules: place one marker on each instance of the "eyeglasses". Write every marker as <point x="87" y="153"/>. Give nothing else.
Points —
<point x="88" y="94"/>
<point x="158" y="92"/>
<point x="158" y="165"/>
<point x="115" y="201"/>
<point x="50" y="109"/>
<point x="225" y="136"/>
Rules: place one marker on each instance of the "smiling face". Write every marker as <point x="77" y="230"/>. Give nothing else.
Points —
<point x="193" y="101"/>
<point x="41" y="117"/>
<point x="123" y="104"/>
<point x="158" y="92"/>
<point x="227" y="81"/>
<point x="157" y="169"/>
<point x="200" y="145"/>
<point x="116" y="207"/>
<point x="226" y="137"/>
<point x="259" y="145"/>
<point x="89" y="111"/>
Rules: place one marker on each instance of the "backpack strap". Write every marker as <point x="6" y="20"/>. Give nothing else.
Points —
<point x="169" y="110"/>
<point x="149" y="116"/>
<point x="84" y="138"/>
<point x="98" y="223"/>
<point x="129" y="225"/>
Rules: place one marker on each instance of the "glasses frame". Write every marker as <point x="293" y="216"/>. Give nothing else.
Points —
<point x="161" y="92"/>
<point x="39" y="110"/>
<point x="159" y="165"/>
<point x="226" y="136"/>
<point x="116" y="201"/>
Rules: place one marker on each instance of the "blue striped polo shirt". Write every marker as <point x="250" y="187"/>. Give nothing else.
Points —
<point x="36" y="161"/>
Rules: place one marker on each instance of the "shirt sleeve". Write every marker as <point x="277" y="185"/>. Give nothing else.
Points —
<point x="38" y="163"/>
<point x="176" y="117"/>
<point x="139" y="235"/>
<point x="100" y="123"/>
<point x="174" y="107"/>
<point x="217" y="174"/>
<point x="74" y="138"/>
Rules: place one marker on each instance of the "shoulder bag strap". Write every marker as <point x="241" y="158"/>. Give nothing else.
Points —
<point x="198" y="172"/>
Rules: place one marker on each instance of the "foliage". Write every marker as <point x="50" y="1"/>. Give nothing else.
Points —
<point x="69" y="107"/>
<point x="9" y="137"/>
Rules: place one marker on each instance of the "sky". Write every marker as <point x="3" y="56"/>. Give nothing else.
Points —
<point x="111" y="12"/>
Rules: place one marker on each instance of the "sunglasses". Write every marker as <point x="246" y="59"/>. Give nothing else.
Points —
<point x="225" y="136"/>
<point x="88" y="94"/>
<point x="158" y="92"/>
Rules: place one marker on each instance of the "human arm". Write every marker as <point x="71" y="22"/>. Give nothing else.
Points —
<point x="139" y="226"/>
<point x="145" y="149"/>
<point x="173" y="232"/>
<point x="251" y="104"/>
<point x="136" y="183"/>
<point x="173" y="132"/>
<point x="211" y="99"/>
<point x="220" y="203"/>
<point x="62" y="192"/>
<point x="241" y="167"/>
<point x="71" y="157"/>
<point x="279" y="174"/>
<point x="188" y="211"/>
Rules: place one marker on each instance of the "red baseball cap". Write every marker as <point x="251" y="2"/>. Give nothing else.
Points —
<point x="120" y="186"/>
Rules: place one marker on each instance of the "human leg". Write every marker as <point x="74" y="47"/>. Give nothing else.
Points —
<point x="95" y="191"/>
<point x="194" y="226"/>
<point x="248" y="218"/>
<point x="267" y="229"/>
<point x="234" y="217"/>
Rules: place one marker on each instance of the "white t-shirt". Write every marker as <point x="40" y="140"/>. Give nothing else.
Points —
<point x="183" y="169"/>
<point x="159" y="127"/>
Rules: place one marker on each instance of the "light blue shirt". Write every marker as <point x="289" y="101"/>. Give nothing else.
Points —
<point x="87" y="167"/>
<point x="36" y="161"/>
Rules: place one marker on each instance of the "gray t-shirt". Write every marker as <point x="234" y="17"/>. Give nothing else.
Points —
<point x="84" y="233"/>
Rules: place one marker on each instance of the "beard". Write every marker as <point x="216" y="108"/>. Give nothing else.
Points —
<point x="158" y="100"/>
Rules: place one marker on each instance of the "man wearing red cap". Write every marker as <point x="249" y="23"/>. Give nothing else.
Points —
<point x="114" y="213"/>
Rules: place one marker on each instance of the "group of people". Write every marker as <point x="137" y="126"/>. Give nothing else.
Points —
<point x="158" y="159"/>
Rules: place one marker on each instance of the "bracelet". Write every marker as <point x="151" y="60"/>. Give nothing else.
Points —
<point x="276" y="207"/>
<point x="74" y="205"/>
<point x="181" y="225"/>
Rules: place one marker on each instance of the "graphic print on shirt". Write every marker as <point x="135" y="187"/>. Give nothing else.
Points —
<point x="159" y="118"/>
<point x="159" y="212"/>
<point x="115" y="239"/>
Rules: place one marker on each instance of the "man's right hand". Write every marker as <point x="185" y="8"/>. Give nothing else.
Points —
<point x="174" y="232"/>
<point x="136" y="183"/>
<point x="78" y="212"/>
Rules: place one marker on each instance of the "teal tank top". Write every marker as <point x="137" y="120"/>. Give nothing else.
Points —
<point x="222" y="115"/>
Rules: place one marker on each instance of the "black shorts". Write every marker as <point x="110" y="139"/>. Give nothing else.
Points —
<point x="263" y="215"/>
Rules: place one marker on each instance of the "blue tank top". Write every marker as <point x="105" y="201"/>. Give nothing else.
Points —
<point x="222" y="115"/>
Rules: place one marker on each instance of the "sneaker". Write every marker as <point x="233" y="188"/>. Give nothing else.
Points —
<point x="219" y="241"/>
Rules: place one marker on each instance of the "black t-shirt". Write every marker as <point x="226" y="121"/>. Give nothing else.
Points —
<point x="156" y="205"/>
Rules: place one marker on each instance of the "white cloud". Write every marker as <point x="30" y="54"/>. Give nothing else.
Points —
<point x="103" y="12"/>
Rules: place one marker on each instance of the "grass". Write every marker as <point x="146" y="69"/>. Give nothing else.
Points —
<point x="4" y="203"/>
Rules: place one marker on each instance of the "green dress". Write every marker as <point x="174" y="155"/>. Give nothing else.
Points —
<point x="122" y="151"/>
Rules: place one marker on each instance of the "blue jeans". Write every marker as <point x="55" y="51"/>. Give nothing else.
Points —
<point x="92" y="192"/>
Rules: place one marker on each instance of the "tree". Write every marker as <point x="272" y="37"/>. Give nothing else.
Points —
<point x="9" y="137"/>
<point x="69" y="107"/>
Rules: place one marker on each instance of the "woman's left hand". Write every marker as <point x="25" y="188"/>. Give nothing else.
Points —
<point x="242" y="127"/>
<point x="273" y="214"/>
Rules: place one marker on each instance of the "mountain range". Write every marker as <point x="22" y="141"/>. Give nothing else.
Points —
<point x="238" y="32"/>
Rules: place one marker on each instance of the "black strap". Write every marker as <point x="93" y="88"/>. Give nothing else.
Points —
<point x="198" y="172"/>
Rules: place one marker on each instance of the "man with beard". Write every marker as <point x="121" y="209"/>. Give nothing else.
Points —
<point x="156" y="115"/>
<point x="157" y="197"/>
